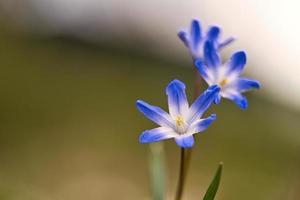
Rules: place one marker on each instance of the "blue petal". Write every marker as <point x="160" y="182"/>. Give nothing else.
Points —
<point x="201" y="68"/>
<point x="183" y="37"/>
<point x="226" y="42"/>
<point x="195" y="34"/>
<point x="157" y="134"/>
<point x="211" y="55"/>
<point x="155" y="114"/>
<point x="213" y="33"/>
<point x="203" y="124"/>
<point x="178" y="104"/>
<point x="237" y="61"/>
<point x="202" y="103"/>
<point x="185" y="141"/>
<point x="239" y="100"/>
<point x="245" y="84"/>
<point x="218" y="99"/>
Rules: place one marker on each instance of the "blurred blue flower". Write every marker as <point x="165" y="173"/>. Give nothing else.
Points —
<point x="227" y="75"/>
<point x="182" y="121"/>
<point x="194" y="39"/>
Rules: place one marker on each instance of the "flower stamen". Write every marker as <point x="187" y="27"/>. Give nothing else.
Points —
<point x="223" y="82"/>
<point x="179" y="121"/>
<point x="180" y="124"/>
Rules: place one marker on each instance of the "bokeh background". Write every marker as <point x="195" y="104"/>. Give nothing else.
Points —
<point x="71" y="71"/>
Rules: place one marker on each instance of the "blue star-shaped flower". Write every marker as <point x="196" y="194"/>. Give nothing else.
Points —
<point x="226" y="75"/>
<point x="194" y="39"/>
<point x="182" y="121"/>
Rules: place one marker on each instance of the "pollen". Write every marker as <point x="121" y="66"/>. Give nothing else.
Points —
<point x="179" y="121"/>
<point x="223" y="82"/>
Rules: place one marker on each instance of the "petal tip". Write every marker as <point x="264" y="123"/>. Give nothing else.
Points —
<point x="175" y="83"/>
<point x="195" y="21"/>
<point x="142" y="138"/>
<point x="139" y="103"/>
<point x="243" y="104"/>
<point x="257" y="85"/>
<point x="213" y="116"/>
<point x="198" y="62"/>
<point x="241" y="56"/>
<point x="217" y="100"/>
<point x="238" y="61"/>
<point x="182" y="34"/>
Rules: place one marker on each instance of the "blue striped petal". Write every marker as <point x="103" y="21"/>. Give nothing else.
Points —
<point x="195" y="34"/>
<point x="245" y="84"/>
<point x="183" y="37"/>
<point x="202" y="103"/>
<point x="156" y="114"/>
<point x="185" y="141"/>
<point x="157" y="134"/>
<point x="202" y="124"/>
<point x="226" y="42"/>
<point x="211" y="55"/>
<point x="237" y="62"/>
<point x="178" y="104"/>
<point x="213" y="33"/>
<point x="201" y="68"/>
<point x="239" y="100"/>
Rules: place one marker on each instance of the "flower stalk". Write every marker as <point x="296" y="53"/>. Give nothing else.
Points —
<point x="182" y="174"/>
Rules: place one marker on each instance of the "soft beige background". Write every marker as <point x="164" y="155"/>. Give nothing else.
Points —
<point x="268" y="30"/>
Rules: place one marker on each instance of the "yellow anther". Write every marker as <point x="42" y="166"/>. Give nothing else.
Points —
<point x="179" y="121"/>
<point x="223" y="82"/>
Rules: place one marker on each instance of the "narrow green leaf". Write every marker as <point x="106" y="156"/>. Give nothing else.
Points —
<point x="157" y="170"/>
<point x="214" y="185"/>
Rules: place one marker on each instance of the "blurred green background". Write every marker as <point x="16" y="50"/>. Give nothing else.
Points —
<point x="69" y="127"/>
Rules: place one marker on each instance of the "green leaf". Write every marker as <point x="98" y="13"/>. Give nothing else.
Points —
<point x="214" y="185"/>
<point x="157" y="170"/>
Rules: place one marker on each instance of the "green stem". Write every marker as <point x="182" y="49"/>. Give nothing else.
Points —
<point x="182" y="175"/>
<point x="187" y="156"/>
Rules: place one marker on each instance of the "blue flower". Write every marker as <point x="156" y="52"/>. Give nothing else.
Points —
<point x="194" y="39"/>
<point x="227" y="75"/>
<point x="182" y="121"/>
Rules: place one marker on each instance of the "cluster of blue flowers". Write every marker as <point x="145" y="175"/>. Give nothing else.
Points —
<point x="224" y="80"/>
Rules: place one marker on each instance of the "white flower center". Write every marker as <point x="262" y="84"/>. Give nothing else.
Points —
<point x="181" y="125"/>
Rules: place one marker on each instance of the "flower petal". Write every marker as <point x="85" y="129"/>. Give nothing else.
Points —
<point x="183" y="37"/>
<point x="154" y="113"/>
<point x="245" y="84"/>
<point x="201" y="68"/>
<point x="178" y="104"/>
<point x="202" y="124"/>
<point x="185" y="141"/>
<point x="211" y="55"/>
<point x="218" y="99"/>
<point x="202" y="103"/>
<point x="237" y="62"/>
<point x="239" y="99"/>
<point x="157" y="134"/>
<point x="195" y="34"/>
<point x="207" y="74"/>
<point x="226" y="42"/>
<point x="213" y="33"/>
